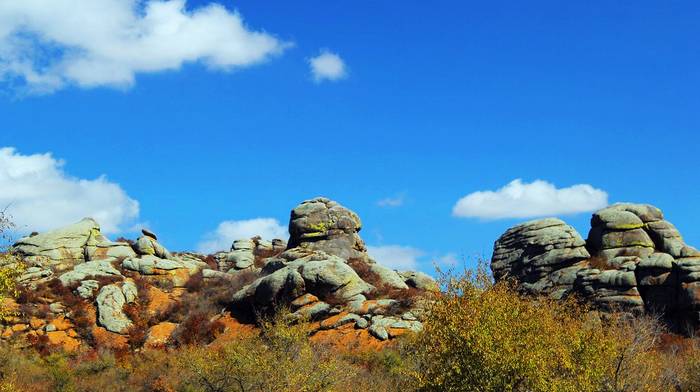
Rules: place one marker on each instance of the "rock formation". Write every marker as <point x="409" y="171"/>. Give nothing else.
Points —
<point x="65" y="247"/>
<point x="81" y="289"/>
<point x="327" y="261"/>
<point x="543" y="255"/>
<point x="633" y="260"/>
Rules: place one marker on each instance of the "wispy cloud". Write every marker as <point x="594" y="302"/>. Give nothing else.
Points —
<point x="327" y="66"/>
<point x="526" y="200"/>
<point x="41" y="196"/>
<point x="396" y="256"/>
<point x="396" y="201"/>
<point x="228" y="231"/>
<point x="449" y="260"/>
<point x="47" y="45"/>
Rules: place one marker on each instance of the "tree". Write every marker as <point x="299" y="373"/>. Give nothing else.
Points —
<point x="486" y="337"/>
<point x="11" y="267"/>
<point x="280" y="358"/>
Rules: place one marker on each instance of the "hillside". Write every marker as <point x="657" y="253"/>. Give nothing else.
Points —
<point x="615" y="312"/>
<point x="81" y="289"/>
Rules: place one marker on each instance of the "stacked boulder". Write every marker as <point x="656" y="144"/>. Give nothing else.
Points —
<point x="634" y="260"/>
<point x="66" y="247"/>
<point x="321" y="224"/>
<point x="326" y="273"/>
<point x="89" y="289"/>
<point x="244" y="252"/>
<point x="154" y="260"/>
<point x="95" y="268"/>
<point x="543" y="255"/>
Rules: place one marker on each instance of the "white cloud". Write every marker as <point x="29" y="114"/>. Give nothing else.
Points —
<point x="448" y="260"/>
<point x="526" y="200"/>
<point x="228" y="231"/>
<point x="48" y="44"/>
<point x="41" y="196"/>
<point x="396" y="256"/>
<point x="327" y="66"/>
<point x="391" y="201"/>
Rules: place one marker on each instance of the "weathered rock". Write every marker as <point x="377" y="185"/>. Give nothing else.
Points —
<point x="239" y="259"/>
<point x="71" y="244"/>
<point x="110" y="303"/>
<point x="618" y="232"/>
<point x="312" y="312"/>
<point x="87" y="288"/>
<point x="34" y="274"/>
<point x="611" y="289"/>
<point x="340" y="320"/>
<point x="243" y="253"/>
<point x="689" y="290"/>
<point x="640" y="263"/>
<point x="149" y="233"/>
<point x="303" y="300"/>
<point x="616" y="219"/>
<point x="333" y="278"/>
<point x="147" y="245"/>
<point x="99" y="247"/>
<point x="324" y="276"/>
<point x="381" y="276"/>
<point x="669" y="240"/>
<point x="67" y="243"/>
<point x="153" y="265"/>
<point x="91" y="268"/>
<point x="278" y="245"/>
<point x="657" y="282"/>
<point x="420" y="281"/>
<point x="543" y="255"/>
<point x="324" y="225"/>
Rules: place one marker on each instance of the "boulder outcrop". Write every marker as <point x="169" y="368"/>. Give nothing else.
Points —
<point x="96" y="292"/>
<point x="633" y="260"/>
<point x="110" y="306"/>
<point x="326" y="271"/>
<point x="72" y="244"/>
<point x="324" y="225"/>
<point x="543" y="255"/>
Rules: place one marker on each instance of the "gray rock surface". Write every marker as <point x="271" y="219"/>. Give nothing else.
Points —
<point x="638" y="262"/>
<point x="324" y="276"/>
<point x="324" y="225"/>
<point x="420" y="280"/>
<point x="88" y="269"/>
<point x="147" y="245"/>
<point x="110" y="303"/>
<point x="153" y="265"/>
<point x="543" y="255"/>
<point x="70" y="245"/>
<point x="87" y="288"/>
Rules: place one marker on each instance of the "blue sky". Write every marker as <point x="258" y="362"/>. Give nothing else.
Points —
<point x="435" y="102"/>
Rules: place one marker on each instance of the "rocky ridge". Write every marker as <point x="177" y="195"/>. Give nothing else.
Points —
<point x="632" y="260"/>
<point x="81" y="289"/>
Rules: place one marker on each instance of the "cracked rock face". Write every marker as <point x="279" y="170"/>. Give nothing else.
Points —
<point x="543" y="255"/>
<point x="110" y="303"/>
<point x="69" y="245"/>
<point x="324" y="225"/>
<point x="323" y="265"/>
<point x="323" y="274"/>
<point x="636" y="261"/>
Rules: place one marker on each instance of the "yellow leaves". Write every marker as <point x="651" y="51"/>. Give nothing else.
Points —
<point x="11" y="268"/>
<point x="486" y="337"/>
<point x="281" y="359"/>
